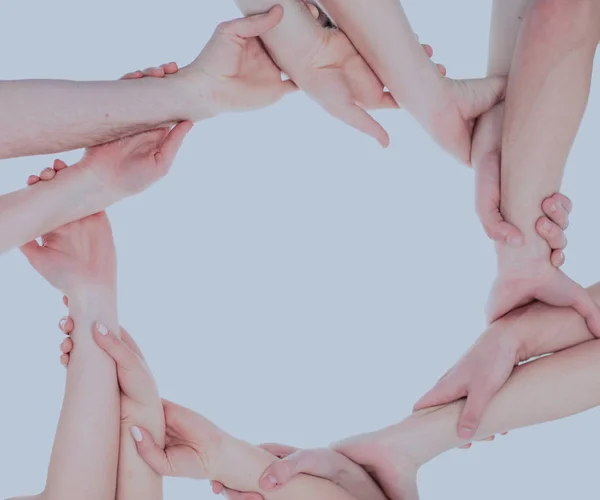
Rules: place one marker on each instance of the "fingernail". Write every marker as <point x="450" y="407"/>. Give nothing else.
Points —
<point x="102" y="330"/>
<point x="60" y="346"/>
<point x="546" y="226"/>
<point x="62" y="323"/>
<point x="466" y="431"/>
<point x="136" y="433"/>
<point x="272" y="481"/>
<point x="553" y="207"/>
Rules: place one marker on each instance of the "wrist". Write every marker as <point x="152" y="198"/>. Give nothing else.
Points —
<point x="87" y="192"/>
<point x="197" y="93"/>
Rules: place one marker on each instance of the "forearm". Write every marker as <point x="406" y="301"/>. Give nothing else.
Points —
<point x="375" y="27"/>
<point x="36" y="210"/>
<point x="547" y="389"/>
<point x="288" y="41"/>
<point x="135" y="478"/>
<point x="547" y="94"/>
<point x="545" y="329"/>
<point x="507" y="17"/>
<point x="50" y="116"/>
<point x="85" y="453"/>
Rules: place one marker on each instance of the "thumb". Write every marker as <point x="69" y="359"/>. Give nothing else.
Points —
<point x="253" y="26"/>
<point x="471" y="415"/>
<point x="33" y="253"/>
<point x="150" y="452"/>
<point x="486" y="93"/>
<point x="447" y="390"/>
<point x="301" y="462"/>
<point x="487" y="202"/>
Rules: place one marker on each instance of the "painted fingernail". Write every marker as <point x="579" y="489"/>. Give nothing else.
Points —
<point x="272" y="480"/>
<point x="102" y="330"/>
<point x="136" y="433"/>
<point x="62" y="323"/>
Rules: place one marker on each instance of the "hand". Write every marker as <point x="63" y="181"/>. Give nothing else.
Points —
<point x="523" y="279"/>
<point x="76" y="255"/>
<point x="324" y="463"/>
<point x="139" y="394"/>
<point x="237" y="71"/>
<point x="486" y="160"/>
<point x="191" y="441"/>
<point x="128" y="166"/>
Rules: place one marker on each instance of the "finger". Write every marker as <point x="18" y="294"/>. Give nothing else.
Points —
<point x="66" y="346"/>
<point x="47" y="174"/>
<point x="466" y="446"/>
<point x="64" y="360"/>
<point x="130" y="342"/>
<point x="314" y="10"/>
<point x="66" y="325"/>
<point x="554" y="235"/>
<point x="66" y="300"/>
<point x="487" y="202"/>
<point x="217" y="488"/>
<point x="33" y="253"/>
<point x="428" y="49"/>
<point x="253" y="26"/>
<point x="59" y="165"/>
<point x="557" y="258"/>
<point x="238" y="495"/>
<point x="150" y="452"/>
<point x="471" y="415"/>
<point x="447" y="390"/>
<point x="172" y="143"/>
<point x="155" y="72"/>
<point x="490" y="438"/>
<point x="289" y="87"/>
<point x="279" y="450"/>
<point x="557" y="209"/>
<point x="170" y="68"/>
<point x="584" y="305"/>
<point x="387" y="101"/>
<point x="32" y="179"/>
<point x="358" y="118"/>
<point x="312" y="462"/>
<point x="442" y="69"/>
<point x="134" y="75"/>
<point x="115" y="347"/>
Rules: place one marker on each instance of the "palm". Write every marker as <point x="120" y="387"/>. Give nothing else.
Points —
<point x="542" y="281"/>
<point x="132" y="163"/>
<point x="81" y="250"/>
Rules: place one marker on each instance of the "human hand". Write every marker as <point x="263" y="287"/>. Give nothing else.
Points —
<point x="140" y="401"/>
<point x="523" y="278"/>
<point x="324" y="463"/>
<point x="486" y="160"/>
<point x="128" y="166"/>
<point x="77" y="255"/>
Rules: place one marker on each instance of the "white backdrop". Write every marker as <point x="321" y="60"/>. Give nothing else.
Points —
<point x="289" y="279"/>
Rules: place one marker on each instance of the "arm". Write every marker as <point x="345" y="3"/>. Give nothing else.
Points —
<point x="373" y="30"/>
<point x="507" y="17"/>
<point x="50" y="116"/>
<point x="544" y="390"/>
<point x="85" y="453"/>
<point x="547" y="94"/>
<point x="38" y="209"/>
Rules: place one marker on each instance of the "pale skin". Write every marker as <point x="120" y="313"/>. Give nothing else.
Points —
<point x="547" y="94"/>
<point x="239" y="75"/>
<point x="49" y="116"/>
<point x="195" y="447"/>
<point x="543" y="390"/>
<point x="346" y="81"/>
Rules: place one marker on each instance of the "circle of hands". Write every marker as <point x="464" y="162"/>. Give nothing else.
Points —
<point x="233" y="64"/>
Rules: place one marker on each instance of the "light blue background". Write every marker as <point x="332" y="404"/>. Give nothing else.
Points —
<point x="289" y="279"/>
